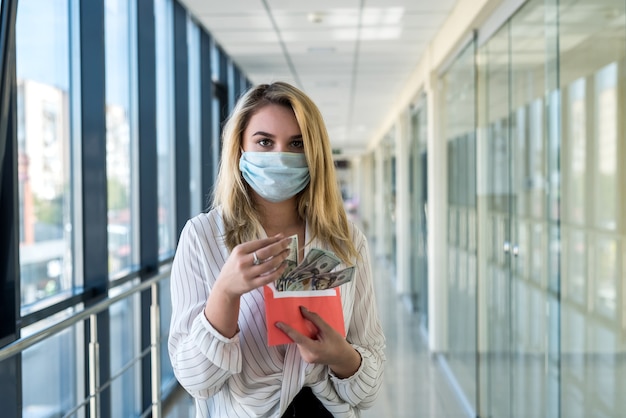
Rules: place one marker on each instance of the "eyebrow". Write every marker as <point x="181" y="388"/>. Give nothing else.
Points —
<point x="262" y="133"/>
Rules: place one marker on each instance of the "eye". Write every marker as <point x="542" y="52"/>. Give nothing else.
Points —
<point x="265" y="142"/>
<point x="298" y="144"/>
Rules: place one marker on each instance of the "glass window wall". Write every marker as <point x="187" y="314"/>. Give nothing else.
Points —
<point x="164" y="27"/>
<point x="168" y="380"/>
<point x="44" y="142"/>
<point x="121" y="137"/>
<point x="57" y="360"/>
<point x="196" y="193"/>
<point x="219" y="106"/>
<point x="49" y="89"/>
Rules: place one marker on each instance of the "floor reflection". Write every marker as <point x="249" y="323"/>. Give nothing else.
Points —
<point x="415" y="384"/>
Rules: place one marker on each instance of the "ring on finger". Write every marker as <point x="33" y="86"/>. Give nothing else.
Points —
<point x="256" y="261"/>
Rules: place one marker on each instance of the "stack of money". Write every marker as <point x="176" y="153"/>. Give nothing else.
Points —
<point x="314" y="273"/>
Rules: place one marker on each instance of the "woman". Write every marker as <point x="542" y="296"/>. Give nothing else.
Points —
<point x="276" y="180"/>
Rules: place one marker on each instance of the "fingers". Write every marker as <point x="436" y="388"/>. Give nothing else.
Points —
<point x="267" y="254"/>
<point x="317" y="320"/>
<point x="262" y="251"/>
<point x="255" y="263"/>
<point x="269" y="257"/>
<point x="317" y="327"/>
<point x="325" y="346"/>
<point x="265" y="248"/>
<point x="295" y="336"/>
<point x="271" y="268"/>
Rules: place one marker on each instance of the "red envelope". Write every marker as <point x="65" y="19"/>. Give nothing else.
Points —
<point x="285" y="307"/>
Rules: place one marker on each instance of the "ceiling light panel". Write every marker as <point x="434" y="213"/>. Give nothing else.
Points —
<point x="316" y="36"/>
<point x="383" y="16"/>
<point x="316" y="19"/>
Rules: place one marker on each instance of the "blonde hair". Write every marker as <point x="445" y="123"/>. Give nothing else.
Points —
<point x="320" y="203"/>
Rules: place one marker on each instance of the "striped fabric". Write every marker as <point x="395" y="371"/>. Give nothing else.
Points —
<point x="242" y="376"/>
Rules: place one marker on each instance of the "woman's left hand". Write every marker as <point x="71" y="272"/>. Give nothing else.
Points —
<point x="326" y="347"/>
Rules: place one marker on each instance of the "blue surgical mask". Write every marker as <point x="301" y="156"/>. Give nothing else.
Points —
<point x="275" y="176"/>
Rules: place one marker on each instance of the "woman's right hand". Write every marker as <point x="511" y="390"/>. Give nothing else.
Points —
<point x="253" y="264"/>
<point x="241" y="274"/>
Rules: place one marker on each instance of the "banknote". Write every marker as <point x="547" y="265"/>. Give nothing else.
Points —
<point x="332" y="279"/>
<point x="318" y="261"/>
<point x="314" y="272"/>
<point x="292" y="258"/>
<point x="322" y="281"/>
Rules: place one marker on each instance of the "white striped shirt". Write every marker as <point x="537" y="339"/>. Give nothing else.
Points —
<point x="242" y="376"/>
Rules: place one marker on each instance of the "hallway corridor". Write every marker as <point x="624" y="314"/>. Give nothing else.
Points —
<point x="415" y="385"/>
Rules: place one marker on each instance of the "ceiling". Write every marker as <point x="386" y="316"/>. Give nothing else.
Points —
<point x="352" y="57"/>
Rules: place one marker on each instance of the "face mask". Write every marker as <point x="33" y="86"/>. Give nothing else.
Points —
<point x="275" y="176"/>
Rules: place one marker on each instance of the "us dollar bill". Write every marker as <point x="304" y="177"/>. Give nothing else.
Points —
<point x="314" y="272"/>
<point x="291" y="261"/>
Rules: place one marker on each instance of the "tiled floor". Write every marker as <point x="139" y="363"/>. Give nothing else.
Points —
<point x="414" y="383"/>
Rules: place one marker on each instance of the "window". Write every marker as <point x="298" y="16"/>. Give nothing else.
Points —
<point x="44" y="152"/>
<point x="163" y="11"/>
<point x="120" y="136"/>
<point x="606" y="184"/>
<point x="195" y="127"/>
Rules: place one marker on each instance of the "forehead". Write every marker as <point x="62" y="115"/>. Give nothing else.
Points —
<point x="274" y="119"/>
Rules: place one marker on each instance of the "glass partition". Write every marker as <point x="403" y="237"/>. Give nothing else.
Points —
<point x="493" y="203"/>
<point x="514" y="217"/>
<point x="418" y="176"/>
<point x="552" y="83"/>
<point x="529" y="151"/>
<point x="388" y="214"/>
<point x="458" y="116"/>
<point x="592" y="80"/>
<point x="390" y="165"/>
